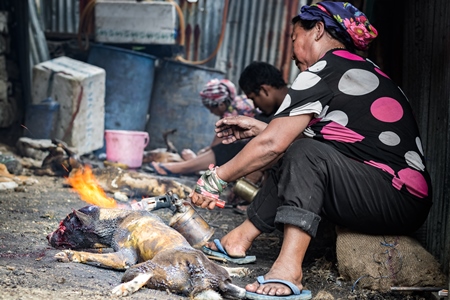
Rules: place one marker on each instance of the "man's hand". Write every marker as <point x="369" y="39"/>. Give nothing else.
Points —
<point x="236" y="128"/>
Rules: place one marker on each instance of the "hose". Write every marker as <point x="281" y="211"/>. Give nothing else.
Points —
<point x="219" y="43"/>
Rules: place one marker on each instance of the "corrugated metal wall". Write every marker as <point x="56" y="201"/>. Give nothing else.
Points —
<point x="255" y="30"/>
<point x="258" y="30"/>
<point x="60" y="16"/>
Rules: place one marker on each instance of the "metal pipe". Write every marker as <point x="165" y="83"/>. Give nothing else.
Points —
<point x="416" y="288"/>
<point x="34" y="55"/>
<point x="60" y="15"/>
<point x="36" y="34"/>
<point x="53" y="15"/>
<point x="69" y="16"/>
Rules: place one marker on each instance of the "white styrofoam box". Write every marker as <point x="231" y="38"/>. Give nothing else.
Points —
<point x="135" y="22"/>
<point x="79" y="88"/>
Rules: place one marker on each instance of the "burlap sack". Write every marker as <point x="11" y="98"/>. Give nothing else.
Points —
<point x="380" y="262"/>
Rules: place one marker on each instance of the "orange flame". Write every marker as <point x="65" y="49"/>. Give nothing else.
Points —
<point x="85" y="184"/>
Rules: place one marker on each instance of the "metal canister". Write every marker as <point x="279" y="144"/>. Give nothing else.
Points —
<point x="191" y="225"/>
<point x="245" y="189"/>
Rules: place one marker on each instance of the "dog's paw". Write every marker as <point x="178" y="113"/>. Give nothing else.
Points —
<point x="132" y="286"/>
<point x="123" y="289"/>
<point x="238" y="271"/>
<point x="62" y="257"/>
<point x="67" y="256"/>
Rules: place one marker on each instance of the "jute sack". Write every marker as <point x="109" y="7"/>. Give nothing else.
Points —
<point x="380" y="262"/>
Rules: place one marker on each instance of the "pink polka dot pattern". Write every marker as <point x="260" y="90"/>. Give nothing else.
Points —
<point x="414" y="181"/>
<point x="361" y="112"/>
<point x="381" y="166"/>
<point x="381" y="72"/>
<point x="386" y="109"/>
<point x="336" y="132"/>
<point x="397" y="183"/>
<point x="348" y="55"/>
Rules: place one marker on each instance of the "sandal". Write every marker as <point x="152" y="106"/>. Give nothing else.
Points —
<point x="152" y="168"/>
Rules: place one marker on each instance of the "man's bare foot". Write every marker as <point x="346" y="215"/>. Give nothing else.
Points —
<point x="239" y="240"/>
<point x="162" y="169"/>
<point x="188" y="154"/>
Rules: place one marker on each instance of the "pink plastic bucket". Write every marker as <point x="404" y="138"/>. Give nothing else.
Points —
<point x="126" y="147"/>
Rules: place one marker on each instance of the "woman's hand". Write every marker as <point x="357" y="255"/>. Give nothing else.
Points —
<point x="202" y="201"/>
<point x="236" y="128"/>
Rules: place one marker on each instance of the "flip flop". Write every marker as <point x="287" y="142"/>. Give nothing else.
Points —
<point x="223" y="254"/>
<point x="168" y="172"/>
<point x="296" y="293"/>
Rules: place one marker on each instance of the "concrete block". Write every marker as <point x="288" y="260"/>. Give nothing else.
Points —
<point x="80" y="90"/>
<point x="135" y="22"/>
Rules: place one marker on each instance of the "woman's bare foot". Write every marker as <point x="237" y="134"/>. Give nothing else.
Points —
<point x="288" y="265"/>
<point x="239" y="240"/>
<point x="286" y="272"/>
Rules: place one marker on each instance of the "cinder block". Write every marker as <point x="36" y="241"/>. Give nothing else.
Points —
<point x="135" y="22"/>
<point x="80" y="90"/>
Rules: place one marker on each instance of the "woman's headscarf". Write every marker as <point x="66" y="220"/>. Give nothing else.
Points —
<point x="241" y="106"/>
<point x="344" y="18"/>
<point x="217" y="91"/>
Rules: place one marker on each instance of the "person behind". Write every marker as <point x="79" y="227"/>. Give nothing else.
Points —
<point x="360" y="163"/>
<point x="266" y="87"/>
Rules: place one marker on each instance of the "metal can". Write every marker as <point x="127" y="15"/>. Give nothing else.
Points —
<point x="191" y="225"/>
<point x="245" y="189"/>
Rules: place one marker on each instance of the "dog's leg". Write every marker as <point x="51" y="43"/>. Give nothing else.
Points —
<point x="230" y="290"/>
<point x="237" y="272"/>
<point x="120" y="260"/>
<point x="128" y="288"/>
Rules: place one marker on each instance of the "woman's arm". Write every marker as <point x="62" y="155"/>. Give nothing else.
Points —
<point x="261" y="151"/>
<point x="264" y="148"/>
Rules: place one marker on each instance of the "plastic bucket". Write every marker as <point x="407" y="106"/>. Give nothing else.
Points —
<point x="40" y="119"/>
<point x="128" y="86"/>
<point x="176" y="104"/>
<point x="126" y="147"/>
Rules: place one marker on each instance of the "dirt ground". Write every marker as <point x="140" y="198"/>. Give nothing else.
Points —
<point x="28" y="269"/>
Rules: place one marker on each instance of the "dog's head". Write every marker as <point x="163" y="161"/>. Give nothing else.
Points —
<point x="77" y="230"/>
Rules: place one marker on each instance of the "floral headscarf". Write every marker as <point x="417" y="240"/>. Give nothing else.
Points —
<point x="342" y="17"/>
<point x="241" y="106"/>
<point x="217" y="91"/>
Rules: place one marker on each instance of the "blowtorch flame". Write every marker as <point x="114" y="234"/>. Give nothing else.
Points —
<point x="85" y="184"/>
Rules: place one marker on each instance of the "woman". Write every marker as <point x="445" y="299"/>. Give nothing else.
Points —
<point x="360" y="163"/>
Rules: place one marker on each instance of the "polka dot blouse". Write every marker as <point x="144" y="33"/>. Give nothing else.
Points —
<point x="362" y="113"/>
